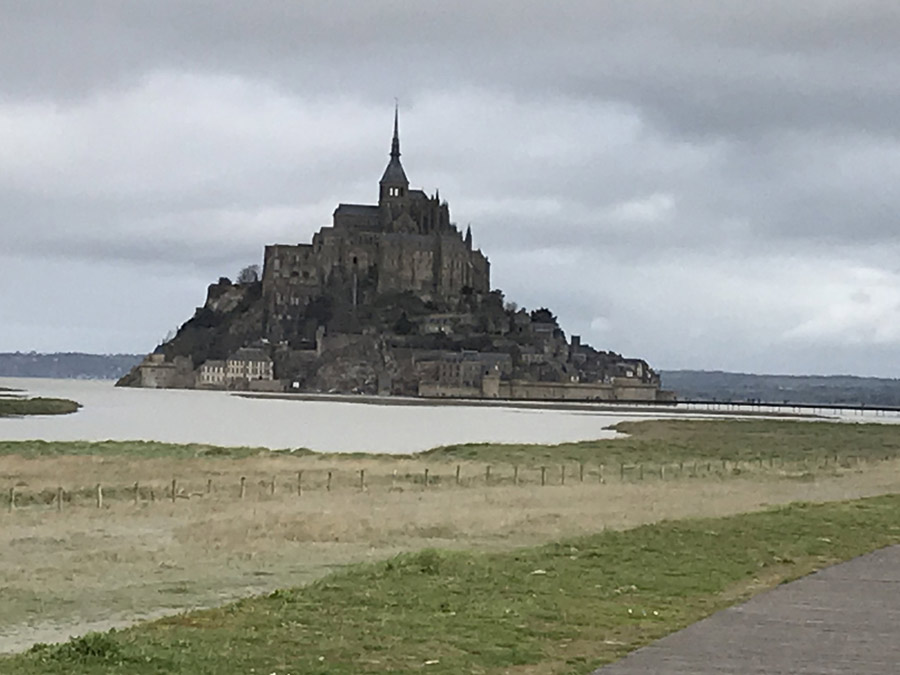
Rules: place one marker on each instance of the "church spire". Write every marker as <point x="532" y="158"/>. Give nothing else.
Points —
<point x="394" y="183"/>
<point x="395" y="143"/>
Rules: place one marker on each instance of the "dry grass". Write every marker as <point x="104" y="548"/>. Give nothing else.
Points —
<point x="65" y="570"/>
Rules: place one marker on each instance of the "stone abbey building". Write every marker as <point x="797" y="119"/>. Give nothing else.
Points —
<point x="390" y="299"/>
<point x="404" y="243"/>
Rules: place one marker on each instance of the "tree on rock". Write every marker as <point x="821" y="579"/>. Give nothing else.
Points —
<point x="248" y="275"/>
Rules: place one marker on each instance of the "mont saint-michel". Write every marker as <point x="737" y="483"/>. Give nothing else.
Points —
<point x="391" y="299"/>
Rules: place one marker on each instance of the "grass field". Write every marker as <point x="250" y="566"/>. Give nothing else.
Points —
<point x="87" y="568"/>
<point x="566" y="607"/>
<point x="14" y="406"/>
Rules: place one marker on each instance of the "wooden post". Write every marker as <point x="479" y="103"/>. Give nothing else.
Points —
<point x="209" y="486"/>
<point x="99" y="496"/>
<point x="640" y="472"/>
<point x="243" y="486"/>
<point x="425" y="477"/>
<point x="662" y="471"/>
<point x="543" y="476"/>
<point x="457" y="474"/>
<point x="487" y="475"/>
<point x="59" y="498"/>
<point x="174" y="490"/>
<point x="562" y="474"/>
<point x="515" y="474"/>
<point x="12" y="499"/>
<point x="362" y="479"/>
<point x="581" y="472"/>
<point x="299" y="483"/>
<point x="152" y="494"/>
<point x="137" y="493"/>
<point x="622" y="471"/>
<point x="600" y="474"/>
<point x="680" y="468"/>
<point x="272" y="487"/>
<point x="328" y="482"/>
<point x="708" y="467"/>
<point x="724" y="465"/>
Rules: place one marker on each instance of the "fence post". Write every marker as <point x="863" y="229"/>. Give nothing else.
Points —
<point x="640" y="472"/>
<point x="425" y="477"/>
<point x="487" y="475"/>
<point x="362" y="479"/>
<point x="662" y="471"/>
<point x="272" y="487"/>
<point x="600" y="475"/>
<point x="581" y="472"/>
<point x="299" y="483"/>
<point x="99" y="496"/>
<point x="59" y="498"/>
<point x="243" y="486"/>
<point x="543" y="476"/>
<point x="562" y="474"/>
<point x="457" y="474"/>
<point x="12" y="499"/>
<point x="174" y="489"/>
<point x="622" y="471"/>
<point x="328" y="482"/>
<point x="209" y="486"/>
<point x="137" y="492"/>
<point x="515" y="474"/>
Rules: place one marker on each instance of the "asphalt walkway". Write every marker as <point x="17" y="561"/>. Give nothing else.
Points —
<point x="844" y="619"/>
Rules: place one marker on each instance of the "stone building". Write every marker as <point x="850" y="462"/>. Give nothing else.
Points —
<point x="249" y="364"/>
<point x="404" y="243"/>
<point x="211" y="374"/>
<point x="391" y="298"/>
<point x="154" y="372"/>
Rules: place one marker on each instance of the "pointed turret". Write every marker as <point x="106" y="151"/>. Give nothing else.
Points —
<point x="469" y="237"/>
<point x="394" y="184"/>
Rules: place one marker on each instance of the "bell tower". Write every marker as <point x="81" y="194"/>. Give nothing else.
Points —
<point x="394" y="186"/>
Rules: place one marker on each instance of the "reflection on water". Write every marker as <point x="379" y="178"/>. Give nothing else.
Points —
<point x="182" y="416"/>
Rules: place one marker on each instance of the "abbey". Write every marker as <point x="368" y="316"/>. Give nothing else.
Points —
<point x="406" y="243"/>
<point x="390" y="299"/>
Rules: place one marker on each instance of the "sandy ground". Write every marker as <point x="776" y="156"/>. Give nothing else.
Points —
<point x="86" y="568"/>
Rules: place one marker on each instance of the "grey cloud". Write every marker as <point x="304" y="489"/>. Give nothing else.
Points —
<point x="645" y="168"/>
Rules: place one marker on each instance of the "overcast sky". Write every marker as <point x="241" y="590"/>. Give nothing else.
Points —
<point x="706" y="185"/>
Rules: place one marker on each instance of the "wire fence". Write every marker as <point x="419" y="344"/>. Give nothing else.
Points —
<point x="324" y="481"/>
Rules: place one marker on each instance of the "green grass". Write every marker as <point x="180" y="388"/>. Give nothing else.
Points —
<point x="567" y="607"/>
<point x="37" y="406"/>
<point x="662" y="441"/>
<point x="137" y="449"/>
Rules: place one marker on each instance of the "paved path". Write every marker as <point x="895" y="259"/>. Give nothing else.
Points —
<point x="845" y="619"/>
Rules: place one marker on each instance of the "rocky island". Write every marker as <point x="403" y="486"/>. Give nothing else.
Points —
<point x="391" y="299"/>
